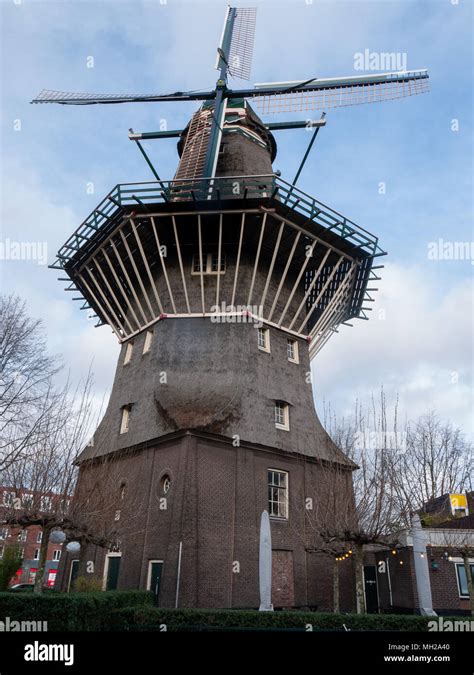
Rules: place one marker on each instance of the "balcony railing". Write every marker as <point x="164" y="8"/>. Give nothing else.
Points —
<point x="217" y="189"/>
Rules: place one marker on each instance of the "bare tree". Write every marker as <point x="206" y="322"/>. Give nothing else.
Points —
<point x="26" y="373"/>
<point x="367" y="513"/>
<point x="400" y="468"/>
<point x="436" y="460"/>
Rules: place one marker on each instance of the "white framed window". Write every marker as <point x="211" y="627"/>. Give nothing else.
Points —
<point x="117" y="515"/>
<point x="57" y="554"/>
<point x="45" y="504"/>
<point x="2" y="548"/>
<point x="37" y="554"/>
<point x="292" y="351"/>
<point x="8" y="498"/>
<point x="210" y="263"/>
<point x="22" y="552"/>
<point x="27" y="501"/>
<point x="147" y="343"/>
<point x="3" y="532"/>
<point x="462" y="579"/>
<point x="22" y="535"/>
<point x="39" y="537"/>
<point x="128" y="353"/>
<point x="278" y="493"/>
<point x="282" y="415"/>
<point x="263" y="339"/>
<point x="125" y="421"/>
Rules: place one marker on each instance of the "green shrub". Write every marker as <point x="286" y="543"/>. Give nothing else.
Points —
<point x="87" y="585"/>
<point x="154" y="618"/>
<point x="70" y="611"/>
<point x="9" y="565"/>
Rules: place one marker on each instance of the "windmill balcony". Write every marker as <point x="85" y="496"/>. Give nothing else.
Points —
<point x="238" y="245"/>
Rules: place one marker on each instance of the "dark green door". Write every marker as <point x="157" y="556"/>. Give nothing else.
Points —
<point x="112" y="573"/>
<point x="155" y="578"/>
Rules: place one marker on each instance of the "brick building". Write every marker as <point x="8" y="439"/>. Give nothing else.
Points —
<point x="28" y="539"/>
<point x="391" y="586"/>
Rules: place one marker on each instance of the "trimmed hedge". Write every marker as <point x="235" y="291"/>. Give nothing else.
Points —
<point x="155" y="618"/>
<point x="70" y="611"/>
<point x="134" y="611"/>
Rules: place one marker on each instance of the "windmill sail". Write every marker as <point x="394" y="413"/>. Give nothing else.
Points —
<point x="195" y="147"/>
<point x="321" y="94"/>
<point x="241" y="46"/>
<point x="71" y="98"/>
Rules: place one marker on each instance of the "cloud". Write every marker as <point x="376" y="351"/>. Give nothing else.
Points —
<point x="418" y="343"/>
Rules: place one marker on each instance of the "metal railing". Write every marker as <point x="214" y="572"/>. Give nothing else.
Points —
<point x="220" y="188"/>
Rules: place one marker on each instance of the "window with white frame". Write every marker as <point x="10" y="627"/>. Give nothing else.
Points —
<point x="45" y="503"/>
<point x="39" y="537"/>
<point x="125" y="421"/>
<point x="128" y="353"/>
<point x="27" y="501"/>
<point x="210" y="263"/>
<point x="278" y="493"/>
<point x="263" y="339"/>
<point x="282" y="415"/>
<point x="2" y="548"/>
<point x="292" y="350"/>
<point x="3" y="532"/>
<point x="22" y="535"/>
<point x="147" y="343"/>
<point x="8" y="498"/>
<point x="22" y="552"/>
<point x="57" y="554"/>
<point x="37" y="554"/>
<point x="462" y="579"/>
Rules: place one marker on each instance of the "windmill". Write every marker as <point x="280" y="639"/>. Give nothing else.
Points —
<point x="234" y="58"/>
<point x="225" y="281"/>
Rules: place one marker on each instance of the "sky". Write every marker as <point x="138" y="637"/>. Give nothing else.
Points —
<point x="401" y="169"/>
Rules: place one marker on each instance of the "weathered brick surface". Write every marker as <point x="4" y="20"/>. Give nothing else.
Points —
<point x="213" y="507"/>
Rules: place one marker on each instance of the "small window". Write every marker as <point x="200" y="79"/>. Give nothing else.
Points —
<point x="27" y="501"/>
<point x="124" y="424"/>
<point x="2" y="548"/>
<point x="45" y="504"/>
<point x="8" y="498"/>
<point x="39" y="537"/>
<point x="277" y="493"/>
<point x="210" y="263"/>
<point x="3" y="532"/>
<point x="263" y="339"/>
<point x="37" y="554"/>
<point x="165" y="484"/>
<point x="22" y="535"/>
<point x="462" y="579"/>
<point x="292" y="351"/>
<point x="282" y="415"/>
<point x="147" y="343"/>
<point x="57" y="554"/>
<point x="117" y="515"/>
<point x="123" y="491"/>
<point x="128" y="353"/>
